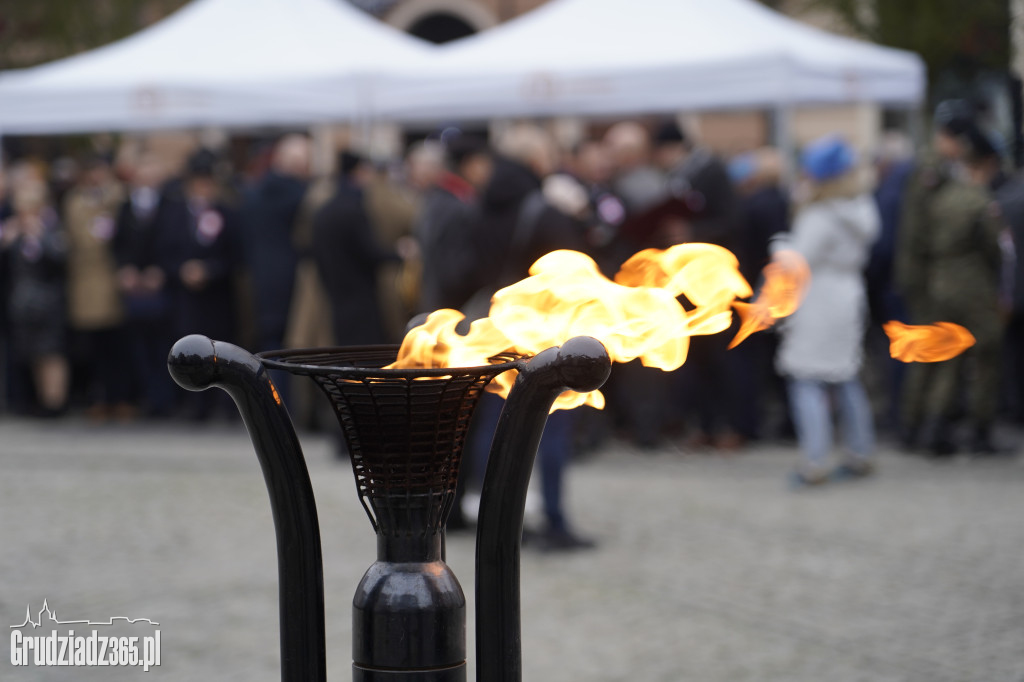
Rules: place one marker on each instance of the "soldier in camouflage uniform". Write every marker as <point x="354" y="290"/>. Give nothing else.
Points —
<point x="948" y="267"/>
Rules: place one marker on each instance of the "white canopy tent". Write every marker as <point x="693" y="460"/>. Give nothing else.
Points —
<point x="216" y="62"/>
<point x="616" y="57"/>
<point x="267" y="62"/>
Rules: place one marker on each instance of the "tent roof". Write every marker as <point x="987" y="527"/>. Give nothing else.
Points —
<point x="627" y="56"/>
<point x="265" y="62"/>
<point x="214" y="62"/>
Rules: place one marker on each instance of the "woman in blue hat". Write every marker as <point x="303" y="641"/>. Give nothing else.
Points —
<point x="821" y="349"/>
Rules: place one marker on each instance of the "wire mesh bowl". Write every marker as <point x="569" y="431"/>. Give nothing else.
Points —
<point x="405" y="428"/>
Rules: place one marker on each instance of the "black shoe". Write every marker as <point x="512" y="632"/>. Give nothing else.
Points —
<point x="981" y="442"/>
<point x="984" y="447"/>
<point x="942" y="443"/>
<point x="563" y="541"/>
<point x="942" y="448"/>
<point x="50" y="412"/>
<point x="909" y="437"/>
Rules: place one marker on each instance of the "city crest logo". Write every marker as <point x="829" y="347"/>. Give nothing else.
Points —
<point x="87" y="648"/>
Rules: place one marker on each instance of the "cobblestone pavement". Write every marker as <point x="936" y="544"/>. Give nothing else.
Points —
<point x="708" y="568"/>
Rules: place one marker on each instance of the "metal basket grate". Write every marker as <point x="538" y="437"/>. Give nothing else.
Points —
<point x="405" y="429"/>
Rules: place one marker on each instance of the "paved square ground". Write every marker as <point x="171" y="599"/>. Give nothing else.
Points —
<point x="708" y="568"/>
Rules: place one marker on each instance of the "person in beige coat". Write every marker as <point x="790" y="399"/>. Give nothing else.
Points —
<point x="94" y="302"/>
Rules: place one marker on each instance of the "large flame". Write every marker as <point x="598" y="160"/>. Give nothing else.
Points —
<point x="785" y="282"/>
<point x="927" y="343"/>
<point x="638" y="316"/>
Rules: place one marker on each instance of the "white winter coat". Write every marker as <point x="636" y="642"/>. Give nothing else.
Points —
<point x="824" y="338"/>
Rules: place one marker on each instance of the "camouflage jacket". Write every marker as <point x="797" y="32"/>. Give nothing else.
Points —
<point x="948" y="252"/>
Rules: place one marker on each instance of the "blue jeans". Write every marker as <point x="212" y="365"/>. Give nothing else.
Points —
<point x="812" y="417"/>
<point x="553" y="454"/>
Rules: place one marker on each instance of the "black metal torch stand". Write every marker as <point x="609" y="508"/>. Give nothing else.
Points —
<point x="405" y="431"/>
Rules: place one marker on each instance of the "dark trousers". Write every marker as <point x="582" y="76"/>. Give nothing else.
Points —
<point x="107" y="374"/>
<point x="553" y="455"/>
<point x="16" y="377"/>
<point x="638" y="397"/>
<point x="748" y="368"/>
<point x="149" y="341"/>
<point x="707" y="384"/>
<point x="1014" y="354"/>
<point x="932" y="391"/>
<point x="886" y="305"/>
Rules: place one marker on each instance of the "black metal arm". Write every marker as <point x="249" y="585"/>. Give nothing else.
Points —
<point x="581" y="364"/>
<point x="197" y="363"/>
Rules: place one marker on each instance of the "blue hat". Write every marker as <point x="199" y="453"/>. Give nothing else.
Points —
<point x="827" y="158"/>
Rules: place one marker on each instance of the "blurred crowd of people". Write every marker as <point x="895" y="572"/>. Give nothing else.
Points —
<point x="102" y="271"/>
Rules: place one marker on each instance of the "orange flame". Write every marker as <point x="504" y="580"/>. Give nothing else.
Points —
<point x="927" y="343"/>
<point x="785" y="282"/>
<point x="636" y="316"/>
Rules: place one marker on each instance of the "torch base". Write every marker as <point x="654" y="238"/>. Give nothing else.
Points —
<point x="455" y="673"/>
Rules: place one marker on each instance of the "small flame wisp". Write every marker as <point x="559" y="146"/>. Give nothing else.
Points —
<point x="785" y="282"/>
<point x="927" y="343"/>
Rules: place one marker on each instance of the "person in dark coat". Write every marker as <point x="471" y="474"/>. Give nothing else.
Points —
<point x="34" y="247"/>
<point x="347" y="256"/>
<point x="444" y="229"/>
<point x="894" y="165"/>
<point x="519" y="225"/>
<point x="987" y="168"/>
<point x="708" y="212"/>
<point x="763" y="208"/>
<point x="269" y="211"/>
<point x="454" y="175"/>
<point x="764" y="213"/>
<point x="1011" y="201"/>
<point x="592" y="167"/>
<point x="197" y="245"/>
<point x="145" y="292"/>
<point x="699" y="179"/>
<point x="8" y="376"/>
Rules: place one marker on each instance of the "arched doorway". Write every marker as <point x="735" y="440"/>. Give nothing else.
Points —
<point x="441" y="27"/>
<point x="441" y="21"/>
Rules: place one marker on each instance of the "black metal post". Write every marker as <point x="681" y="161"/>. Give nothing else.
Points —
<point x="197" y="363"/>
<point x="581" y="364"/>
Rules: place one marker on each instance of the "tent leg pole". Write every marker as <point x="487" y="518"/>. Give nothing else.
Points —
<point x="915" y="127"/>
<point x="366" y="133"/>
<point x="322" y="137"/>
<point x="782" y="140"/>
